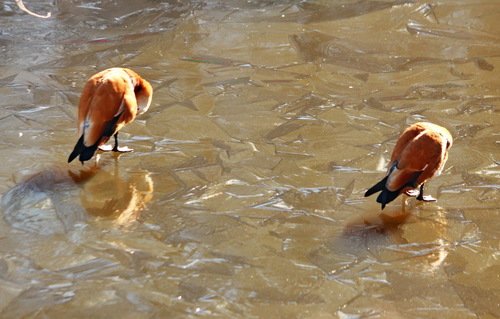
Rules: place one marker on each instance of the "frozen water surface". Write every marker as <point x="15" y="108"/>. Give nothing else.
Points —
<point x="244" y="196"/>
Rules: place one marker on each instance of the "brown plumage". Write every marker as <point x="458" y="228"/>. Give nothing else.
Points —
<point x="420" y="154"/>
<point x="109" y="100"/>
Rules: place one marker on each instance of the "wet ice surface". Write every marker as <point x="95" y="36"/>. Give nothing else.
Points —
<point x="244" y="197"/>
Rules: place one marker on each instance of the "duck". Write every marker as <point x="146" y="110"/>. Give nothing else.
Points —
<point x="110" y="99"/>
<point x="419" y="154"/>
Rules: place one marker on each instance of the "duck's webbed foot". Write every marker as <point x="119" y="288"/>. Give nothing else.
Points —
<point x="426" y="198"/>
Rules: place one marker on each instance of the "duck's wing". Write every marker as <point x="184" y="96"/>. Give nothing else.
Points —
<point x="406" y="137"/>
<point x="418" y="161"/>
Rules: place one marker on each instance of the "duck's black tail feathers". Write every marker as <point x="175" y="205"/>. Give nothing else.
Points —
<point x="386" y="196"/>
<point x="377" y="187"/>
<point x="84" y="152"/>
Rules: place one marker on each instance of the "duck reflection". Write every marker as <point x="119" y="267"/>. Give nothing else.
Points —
<point x="386" y="222"/>
<point x="414" y="233"/>
<point x="110" y="195"/>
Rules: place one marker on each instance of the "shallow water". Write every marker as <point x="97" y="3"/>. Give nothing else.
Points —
<point x="244" y="196"/>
